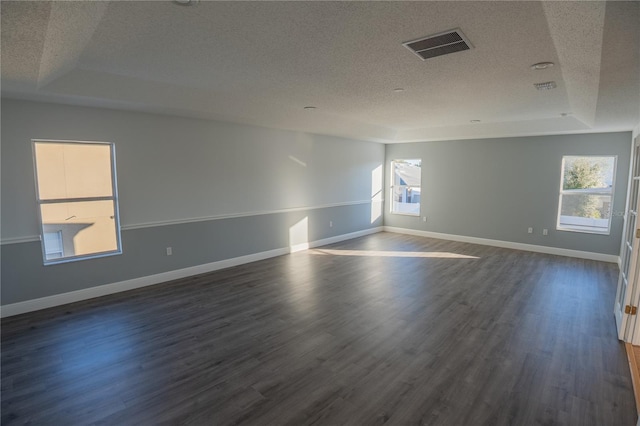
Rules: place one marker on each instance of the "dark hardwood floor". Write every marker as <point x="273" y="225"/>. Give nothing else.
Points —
<point x="382" y="329"/>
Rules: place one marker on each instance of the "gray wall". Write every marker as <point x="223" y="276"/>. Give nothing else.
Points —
<point x="173" y="170"/>
<point x="497" y="188"/>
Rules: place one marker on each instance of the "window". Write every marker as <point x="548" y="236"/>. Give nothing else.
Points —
<point x="586" y="194"/>
<point x="77" y="200"/>
<point x="405" y="186"/>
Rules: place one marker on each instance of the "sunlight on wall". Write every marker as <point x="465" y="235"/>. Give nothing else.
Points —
<point x="293" y="176"/>
<point x="297" y="160"/>
<point x="299" y="236"/>
<point x="376" y="193"/>
<point x="378" y="253"/>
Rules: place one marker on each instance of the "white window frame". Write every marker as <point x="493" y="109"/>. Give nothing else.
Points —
<point x="593" y="191"/>
<point x="391" y="188"/>
<point x="113" y="198"/>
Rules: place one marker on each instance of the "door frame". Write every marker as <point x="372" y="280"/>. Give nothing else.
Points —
<point x="627" y="323"/>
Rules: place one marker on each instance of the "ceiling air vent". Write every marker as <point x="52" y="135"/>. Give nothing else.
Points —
<point x="439" y="44"/>
<point x="547" y="85"/>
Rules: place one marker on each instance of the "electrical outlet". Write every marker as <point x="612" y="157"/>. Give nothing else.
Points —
<point x="545" y="232"/>
<point x="530" y="230"/>
<point x="169" y="251"/>
<point x="330" y="224"/>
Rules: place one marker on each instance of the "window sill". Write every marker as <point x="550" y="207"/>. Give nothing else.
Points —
<point x="406" y="214"/>
<point x="79" y="258"/>
<point x="584" y="231"/>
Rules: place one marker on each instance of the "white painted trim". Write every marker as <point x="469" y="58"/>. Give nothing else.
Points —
<point x="299" y="247"/>
<point x="103" y="290"/>
<point x="33" y="238"/>
<point x="18" y="240"/>
<point x="507" y="244"/>
<point x="244" y="214"/>
<point x="343" y="237"/>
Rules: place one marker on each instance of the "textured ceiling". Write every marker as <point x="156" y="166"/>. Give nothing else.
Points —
<point x="261" y="62"/>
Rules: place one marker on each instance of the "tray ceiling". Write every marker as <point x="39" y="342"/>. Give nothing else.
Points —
<point x="260" y="63"/>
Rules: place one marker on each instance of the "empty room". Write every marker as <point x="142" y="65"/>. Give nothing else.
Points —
<point x="320" y="213"/>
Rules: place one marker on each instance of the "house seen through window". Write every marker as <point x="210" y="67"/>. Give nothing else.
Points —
<point x="77" y="200"/>
<point x="586" y="194"/>
<point x="406" y="176"/>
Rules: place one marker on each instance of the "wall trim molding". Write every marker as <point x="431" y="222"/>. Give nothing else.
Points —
<point x="34" y="238"/>
<point x="18" y="240"/>
<point x="243" y="214"/>
<point x="508" y="244"/>
<point x="106" y="289"/>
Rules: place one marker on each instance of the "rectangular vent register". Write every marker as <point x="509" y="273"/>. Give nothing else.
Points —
<point x="439" y="44"/>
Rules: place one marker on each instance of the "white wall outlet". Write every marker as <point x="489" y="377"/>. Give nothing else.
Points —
<point x="545" y="232"/>
<point x="424" y="218"/>
<point x="169" y="251"/>
<point x="330" y="224"/>
<point x="530" y="230"/>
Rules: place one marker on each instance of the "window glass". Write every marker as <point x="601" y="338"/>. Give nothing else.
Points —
<point x="406" y="177"/>
<point x="586" y="194"/>
<point x="77" y="202"/>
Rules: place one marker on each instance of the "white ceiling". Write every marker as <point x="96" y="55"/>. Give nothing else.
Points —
<point x="261" y="62"/>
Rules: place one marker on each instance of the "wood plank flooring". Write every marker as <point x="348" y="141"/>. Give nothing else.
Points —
<point x="386" y="329"/>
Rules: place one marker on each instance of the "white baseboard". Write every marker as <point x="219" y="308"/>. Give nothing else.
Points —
<point x="106" y="289"/>
<point x="345" y="237"/>
<point x="508" y="244"/>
